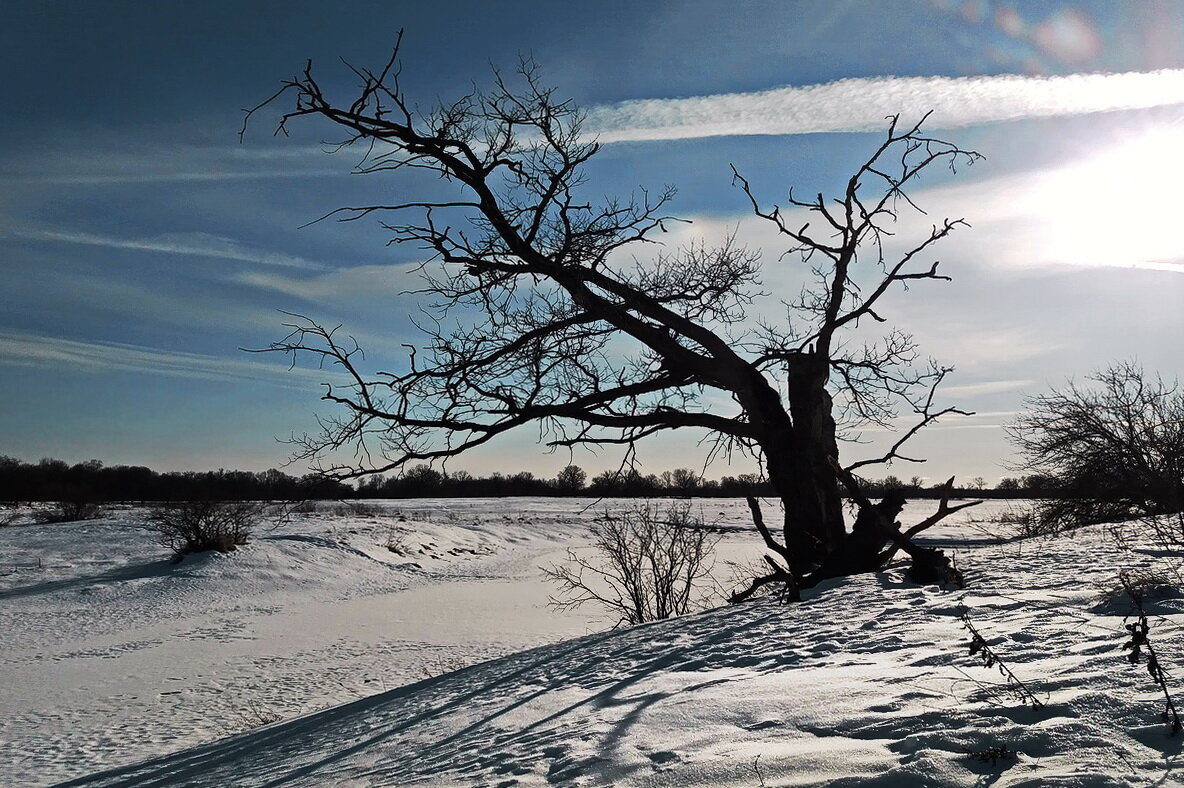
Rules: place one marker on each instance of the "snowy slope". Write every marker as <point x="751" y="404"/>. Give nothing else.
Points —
<point x="866" y="682"/>
<point x="112" y="654"/>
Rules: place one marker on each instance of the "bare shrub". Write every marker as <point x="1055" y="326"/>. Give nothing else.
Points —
<point x="255" y="715"/>
<point x="396" y="541"/>
<point x="362" y="509"/>
<point x="645" y="566"/>
<point x="1020" y="521"/>
<point x="304" y="507"/>
<point x="1151" y="583"/>
<point x="9" y="514"/>
<point x="1111" y="451"/>
<point x="250" y="715"/>
<point x="1167" y="530"/>
<point x="68" y="512"/>
<point x="197" y="526"/>
<point x="1026" y="522"/>
<point x="440" y="664"/>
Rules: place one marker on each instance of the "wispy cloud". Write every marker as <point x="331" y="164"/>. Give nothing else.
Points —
<point x="183" y="175"/>
<point x="984" y="420"/>
<point x="862" y="104"/>
<point x="34" y="350"/>
<point x="113" y="165"/>
<point x="196" y="244"/>
<point x="358" y="282"/>
<point x="986" y="387"/>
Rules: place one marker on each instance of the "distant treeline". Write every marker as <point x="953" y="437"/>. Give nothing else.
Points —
<point x="422" y="481"/>
<point x="55" y="480"/>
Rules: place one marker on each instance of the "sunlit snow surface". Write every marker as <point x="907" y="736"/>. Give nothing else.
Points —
<point x="113" y="656"/>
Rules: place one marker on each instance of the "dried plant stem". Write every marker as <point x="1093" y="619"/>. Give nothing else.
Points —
<point x="978" y="646"/>
<point x="1139" y="644"/>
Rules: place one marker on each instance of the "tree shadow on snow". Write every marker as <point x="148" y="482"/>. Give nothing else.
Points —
<point x="112" y="576"/>
<point x="481" y="719"/>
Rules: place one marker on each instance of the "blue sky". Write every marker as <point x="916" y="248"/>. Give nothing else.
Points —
<point x="142" y="245"/>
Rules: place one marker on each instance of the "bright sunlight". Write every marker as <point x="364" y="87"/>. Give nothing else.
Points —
<point x="1120" y="207"/>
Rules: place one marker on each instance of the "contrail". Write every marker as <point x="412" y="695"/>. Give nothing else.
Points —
<point x="862" y="104"/>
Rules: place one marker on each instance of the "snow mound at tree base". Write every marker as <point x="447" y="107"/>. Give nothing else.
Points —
<point x="867" y="682"/>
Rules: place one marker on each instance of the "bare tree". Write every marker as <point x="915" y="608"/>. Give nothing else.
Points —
<point x="1110" y="451"/>
<point x="550" y="324"/>
<point x="571" y="478"/>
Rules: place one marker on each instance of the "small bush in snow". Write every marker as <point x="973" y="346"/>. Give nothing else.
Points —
<point x="251" y="715"/>
<point x="304" y="507"/>
<point x="9" y="514"/>
<point x="1026" y="523"/>
<point x="68" y="512"/>
<point x="1145" y="583"/>
<point x="441" y="664"/>
<point x="361" y="509"/>
<point x="646" y="566"/>
<point x="396" y="541"/>
<point x="197" y="526"/>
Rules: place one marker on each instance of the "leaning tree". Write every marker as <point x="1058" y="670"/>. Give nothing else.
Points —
<point x="541" y="317"/>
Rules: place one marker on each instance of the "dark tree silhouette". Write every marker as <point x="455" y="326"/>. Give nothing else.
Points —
<point x="571" y="479"/>
<point x="532" y="270"/>
<point x="1109" y="451"/>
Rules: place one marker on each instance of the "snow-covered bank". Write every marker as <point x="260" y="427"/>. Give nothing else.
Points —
<point x="111" y="654"/>
<point x="867" y="682"/>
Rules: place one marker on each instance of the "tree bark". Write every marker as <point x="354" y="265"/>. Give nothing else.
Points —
<point x="813" y="505"/>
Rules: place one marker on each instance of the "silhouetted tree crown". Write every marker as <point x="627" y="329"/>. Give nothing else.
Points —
<point x="1107" y="450"/>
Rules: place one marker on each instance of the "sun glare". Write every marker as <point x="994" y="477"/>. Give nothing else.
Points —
<point x="1121" y="207"/>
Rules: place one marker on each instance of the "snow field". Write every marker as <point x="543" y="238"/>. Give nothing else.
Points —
<point x="867" y="682"/>
<point x="111" y="653"/>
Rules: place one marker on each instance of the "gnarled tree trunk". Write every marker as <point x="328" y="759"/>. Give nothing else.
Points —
<point x="813" y="506"/>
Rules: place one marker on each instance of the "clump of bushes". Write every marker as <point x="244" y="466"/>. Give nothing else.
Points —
<point x="9" y="513"/>
<point x="1147" y="583"/>
<point x="1027" y="522"/>
<point x="68" y="512"/>
<point x="304" y="507"/>
<point x="198" y="526"/>
<point x="396" y="541"/>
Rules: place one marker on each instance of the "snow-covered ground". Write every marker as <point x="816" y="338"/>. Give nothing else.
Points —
<point x="440" y="664"/>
